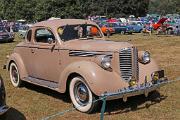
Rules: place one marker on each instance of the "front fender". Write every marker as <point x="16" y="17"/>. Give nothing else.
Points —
<point x="145" y="70"/>
<point x="98" y="79"/>
<point x="19" y="62"/>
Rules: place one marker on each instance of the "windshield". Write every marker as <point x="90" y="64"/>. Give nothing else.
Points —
<point x="23" y="27"/>
<point x="84" y="31"/>
<point x="139" y="24"/>
<point x="113" y="24"/>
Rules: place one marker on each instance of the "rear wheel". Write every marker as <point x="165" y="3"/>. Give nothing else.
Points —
<point x="81" y="96"/>
<point x="14" y="75"/>
<point x="122" y="32"/>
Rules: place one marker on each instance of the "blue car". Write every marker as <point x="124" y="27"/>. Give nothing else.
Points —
<point x="137" y="26"/>
<point x="121" y="28"/>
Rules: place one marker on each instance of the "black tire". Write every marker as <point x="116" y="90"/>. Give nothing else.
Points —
<point x="81" y="96"/>
<point x="140" y="31"/>
<point x="14" y="75"/>
<point x="21" y="36"/>
<point x="108" y="33"/>
<point x="122" y="32"/>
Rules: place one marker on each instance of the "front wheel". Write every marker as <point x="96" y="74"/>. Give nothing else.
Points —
<point x="81" y="96"/>
<point x="14" y="75"/>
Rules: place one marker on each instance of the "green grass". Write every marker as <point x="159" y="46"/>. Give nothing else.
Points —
<point x="34" y="103"/>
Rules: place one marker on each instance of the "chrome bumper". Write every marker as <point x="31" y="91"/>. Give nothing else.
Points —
<point x="145" y="88"/>
<point x="4" y="109"/>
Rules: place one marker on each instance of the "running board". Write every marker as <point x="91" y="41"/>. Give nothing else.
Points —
<point x="43" y="83"/>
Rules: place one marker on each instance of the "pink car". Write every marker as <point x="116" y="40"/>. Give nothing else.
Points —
<point x="64" y="55"/>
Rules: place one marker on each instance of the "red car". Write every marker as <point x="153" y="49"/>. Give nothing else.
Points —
<point x="159" y="23"/>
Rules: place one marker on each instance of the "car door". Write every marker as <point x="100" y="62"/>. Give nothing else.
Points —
<point x="46" y="55"/>
<point x="27" y="52"/>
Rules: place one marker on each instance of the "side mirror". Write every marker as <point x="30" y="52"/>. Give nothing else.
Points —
<point x="51" y="40"/>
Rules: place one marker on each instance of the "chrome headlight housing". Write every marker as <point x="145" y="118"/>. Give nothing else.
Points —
<point x="144" y="57"/>
<point x="105" y="61"/>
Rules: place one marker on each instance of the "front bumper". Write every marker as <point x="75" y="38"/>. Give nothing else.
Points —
<point x="4" y="109"/>
<point x="145" y="88"/>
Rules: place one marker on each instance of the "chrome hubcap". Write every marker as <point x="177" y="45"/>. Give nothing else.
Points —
<point x="14" y="74"/>
<point x="81" y="93"/>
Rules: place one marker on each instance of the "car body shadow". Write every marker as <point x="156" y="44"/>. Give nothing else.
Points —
<point x="112" y="107"/>
<point x="62" y="96"/>
<point x="4" y="42"/>
<point x="13" y="114"/>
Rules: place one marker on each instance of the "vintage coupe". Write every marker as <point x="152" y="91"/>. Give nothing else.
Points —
<point x="3" y="107"/>
<point x="64" y="55"/>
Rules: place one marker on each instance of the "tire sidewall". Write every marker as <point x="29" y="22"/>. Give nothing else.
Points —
<point x="10" y="71"/>
<point x="87" y="108"/>
<point x="122" y="32"/>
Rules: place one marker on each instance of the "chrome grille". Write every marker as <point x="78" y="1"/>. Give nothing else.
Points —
<point x="125" y="61"/>
<point x="136" y="65"/>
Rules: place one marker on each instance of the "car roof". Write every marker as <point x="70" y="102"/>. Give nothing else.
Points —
<point x="54" y="24"/>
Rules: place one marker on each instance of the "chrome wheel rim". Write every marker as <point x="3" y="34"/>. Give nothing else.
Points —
<point x="14" y="74"/>
<point x="81" y="93"/>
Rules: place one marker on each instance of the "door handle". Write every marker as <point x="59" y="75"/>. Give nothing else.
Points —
<point x="32" y="50"/>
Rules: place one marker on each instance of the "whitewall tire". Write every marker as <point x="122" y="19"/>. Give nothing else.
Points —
<point x="81" y="96"/>
<point x="14" y="75"/>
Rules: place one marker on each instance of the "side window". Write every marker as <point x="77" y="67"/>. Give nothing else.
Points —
<point x="43" y="35"/>
<point x="29" y="34"/>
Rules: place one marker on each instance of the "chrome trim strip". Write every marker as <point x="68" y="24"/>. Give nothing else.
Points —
<point x="86" y="53"/>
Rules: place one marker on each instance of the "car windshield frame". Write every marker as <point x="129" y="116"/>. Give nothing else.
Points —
<point x="72" y="32"/>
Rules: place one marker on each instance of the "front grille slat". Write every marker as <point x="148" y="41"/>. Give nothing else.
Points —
<point x="128" y="63"/>
<point x="125" y="58"/>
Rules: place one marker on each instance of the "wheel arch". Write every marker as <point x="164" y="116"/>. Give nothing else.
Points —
<point x="70" y="77"/>
<point x="79" y="69"/>
<point x="16" y="58"/>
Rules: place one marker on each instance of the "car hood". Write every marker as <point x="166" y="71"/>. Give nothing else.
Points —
<point x="95" y="45"/>
<point x="162" y="20"/>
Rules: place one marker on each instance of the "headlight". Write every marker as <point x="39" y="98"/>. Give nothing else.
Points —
<point x="144" y="57"/>
<point x="105" y="61"/>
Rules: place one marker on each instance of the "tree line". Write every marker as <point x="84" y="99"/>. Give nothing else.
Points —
<point x="32" y="10"/>
<point x="163" y="7"/>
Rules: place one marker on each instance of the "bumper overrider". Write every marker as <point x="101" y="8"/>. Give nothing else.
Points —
<point x="144" y="88"/>
<point x="3" y="107"/>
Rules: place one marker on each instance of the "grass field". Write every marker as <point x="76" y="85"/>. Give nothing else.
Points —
<point x="34" y="103"/>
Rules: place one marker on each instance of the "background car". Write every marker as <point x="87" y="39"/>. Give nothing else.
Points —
<point x="106" y="29"/>
<point x="3" y="107"/>
<point x="120" y="28"/>
<point x="137" y="26"/>
<point x="22" y="30"/>
<point x="6" y="36"/>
